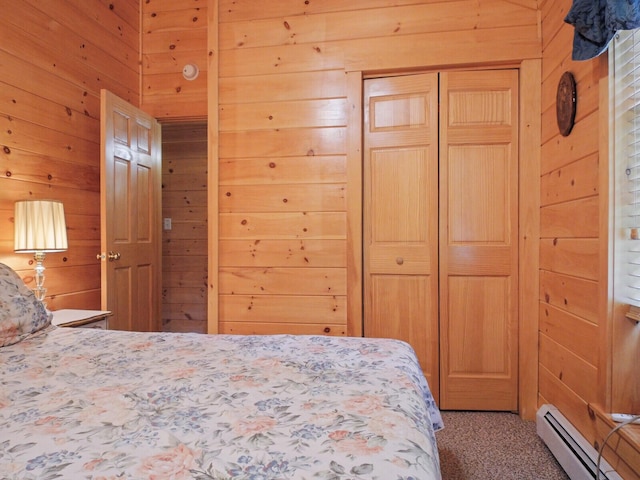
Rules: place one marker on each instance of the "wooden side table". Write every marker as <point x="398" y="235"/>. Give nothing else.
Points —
<point x="81" y="318"/>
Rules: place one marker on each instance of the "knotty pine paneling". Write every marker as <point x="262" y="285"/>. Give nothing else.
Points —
<point x="323" y="197"/>
<point x="282" y="253"/>
<point x="570" y="293"/>
<point x="284" y="118"/>
<point x="574" y="321"/>
<point x="583" y="141"/>
<point x="73" y="54"/>
<point x="575" y="180"/>
<point x="577" y="374"/>
<point x="55" y="58"/>
<point x="283" y="226"/>
<point x="184" y="247"/>
<point x="573" y="256"/>
<point x="402" y="20"/>
<point x="270" y="328"/>
<point x="243" y="10"/>
<point x="574" y="333"/>
<point x="174" y="33"/>
<point x="570" y="219"/>
<point x="284" y="309"/>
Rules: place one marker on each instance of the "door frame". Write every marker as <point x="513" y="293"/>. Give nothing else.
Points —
<point x="530" y="78"/>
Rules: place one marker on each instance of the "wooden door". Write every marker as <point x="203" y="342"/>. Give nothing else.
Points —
<point x="130" y="201"/>
<point x="401" y="214"/>
<point x="479" y="240"/>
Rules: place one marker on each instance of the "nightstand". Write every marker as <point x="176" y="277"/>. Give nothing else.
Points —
<point x="81" y="318"/>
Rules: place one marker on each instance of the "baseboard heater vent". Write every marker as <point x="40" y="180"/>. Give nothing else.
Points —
<point x="576" y="456"/>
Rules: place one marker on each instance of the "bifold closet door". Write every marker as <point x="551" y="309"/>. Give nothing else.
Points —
<point x="401" y="214"/>
<point x="479" y="240"/>
<point x="441" y="229"/>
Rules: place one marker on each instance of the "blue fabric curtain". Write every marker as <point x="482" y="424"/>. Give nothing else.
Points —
<point x="597" y="21"/>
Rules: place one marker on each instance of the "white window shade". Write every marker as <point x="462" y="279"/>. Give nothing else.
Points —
<point x="626" y="125"/>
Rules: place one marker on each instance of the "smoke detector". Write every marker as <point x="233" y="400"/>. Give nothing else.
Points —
<point x="190" y="71"/>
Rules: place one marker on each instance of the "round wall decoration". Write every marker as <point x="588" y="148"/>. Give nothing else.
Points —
<point x="566" y="100"/>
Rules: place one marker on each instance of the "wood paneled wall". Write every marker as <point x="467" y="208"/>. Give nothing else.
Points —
<point x="288" y="188"/>
<point x="285" y="122"/>
<point x="574" y="319"/>
<point x="54" y="58"/>
<point x="588" y="350"/>
<point x="174" y="33"/>
<point x="184" y="246"/>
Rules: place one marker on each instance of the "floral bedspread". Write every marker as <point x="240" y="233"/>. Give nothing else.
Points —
<point x="85" y="403"/>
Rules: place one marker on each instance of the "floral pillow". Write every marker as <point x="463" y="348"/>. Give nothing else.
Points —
<point x="20" y="312"/>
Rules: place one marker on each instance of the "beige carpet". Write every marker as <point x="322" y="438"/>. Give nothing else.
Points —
<point x="490" y="445"/>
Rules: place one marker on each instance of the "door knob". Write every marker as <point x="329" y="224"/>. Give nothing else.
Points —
<point x="111" y="256"/>
<point x="399" y="260"/>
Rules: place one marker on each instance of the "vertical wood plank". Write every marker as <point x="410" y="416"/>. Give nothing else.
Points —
<point x="354" y="204"/>
<point x="212" y="178"/>
<point x="529" y="235"/>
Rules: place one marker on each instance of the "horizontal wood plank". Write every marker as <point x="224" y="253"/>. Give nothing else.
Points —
<point x="186" y="231"/>
<point x="573" y="181"/>
<point x="81" y="202"/>
<point x="324" y="197"/>
<point x="574" y="333"/>
<point x="573" y="295"/>
<point x="59" y="90"/>
<point x="259" y="226"/>
<point x="561" y="151"/>
<point x="573" y="256"/>
<point x="574" y="372"/>
<point x="29" y="137"/>
<point x="282" y="281"/>
<point x="292" y="114"/>
<point x="178" y="182"/>
<point x="180" y="325"/>
<point x="182" y="41"/>
<point x="283" y="309"/>
<point x="283" y="87"/>
<point x="285" y="170"/>
<point x="185" y="311"/>
<point x="154" y="20"/>
<point x="578" y="218"/>
<point x="381" y="22"/>
<point x="184" y="295"/>
<point x="190" y="199"/>
<point x="190" y="246"/>
<point x="172" y="279"/>
<point x="185" y="214"/>
<point x="83" y="300"/>
<point x="289" y="142"/>
<point x="282" y="253"/>
<point x="183" y="263"/>
<point x="43" y="169"/>
<point x="242" y="10"/>
<point x="572" y="406"/>
<point x="239" y="328"/>
<point x="18" y="103"/>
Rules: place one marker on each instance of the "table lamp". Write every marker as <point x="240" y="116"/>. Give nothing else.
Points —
<point x="39" y="228"/>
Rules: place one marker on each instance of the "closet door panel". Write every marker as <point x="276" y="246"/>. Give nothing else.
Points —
<point x="400" y="214"/>
<point x="479" y="240"/>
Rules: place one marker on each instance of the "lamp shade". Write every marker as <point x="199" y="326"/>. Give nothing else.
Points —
<point x="40" y="226"/>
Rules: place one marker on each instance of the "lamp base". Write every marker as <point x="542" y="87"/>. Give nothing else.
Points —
<point x="39" y="291"/>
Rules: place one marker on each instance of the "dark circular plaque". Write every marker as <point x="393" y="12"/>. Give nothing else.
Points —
<point x="566" y="103"/>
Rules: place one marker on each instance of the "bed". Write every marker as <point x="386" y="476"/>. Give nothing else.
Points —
<point x="87" y="403"/>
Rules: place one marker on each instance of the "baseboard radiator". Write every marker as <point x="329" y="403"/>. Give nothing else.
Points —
<point x="576" y="456"/>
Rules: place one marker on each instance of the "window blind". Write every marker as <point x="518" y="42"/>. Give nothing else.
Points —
<point x="626" y="125"/>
